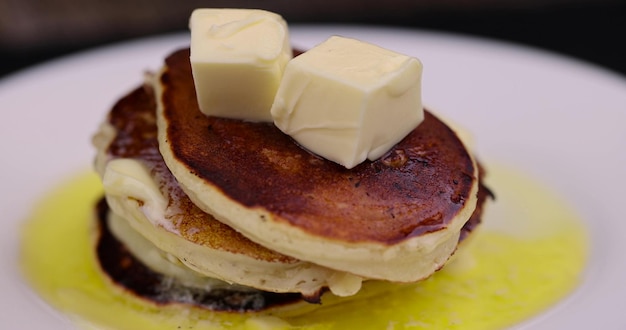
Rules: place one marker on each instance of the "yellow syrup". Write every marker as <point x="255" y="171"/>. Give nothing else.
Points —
<point x="528" y="254"/>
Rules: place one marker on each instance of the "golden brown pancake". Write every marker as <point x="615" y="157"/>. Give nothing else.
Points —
<point x="181" y="229"/>
<point x="397" y="218"/>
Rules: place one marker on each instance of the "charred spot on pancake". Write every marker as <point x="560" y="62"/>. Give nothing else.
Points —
<point x="127" y="272"/>
<point x="475" y="219"/>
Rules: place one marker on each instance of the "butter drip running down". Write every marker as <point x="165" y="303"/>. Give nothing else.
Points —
<point x="338" y="100"/>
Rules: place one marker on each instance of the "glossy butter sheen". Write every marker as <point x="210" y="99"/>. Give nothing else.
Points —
<point x="237" y="58"/>
<point x="500" y="279"/>
<point x="340" y="98"/>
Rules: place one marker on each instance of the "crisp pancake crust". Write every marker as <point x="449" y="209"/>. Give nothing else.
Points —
<point x="418" y="187"/>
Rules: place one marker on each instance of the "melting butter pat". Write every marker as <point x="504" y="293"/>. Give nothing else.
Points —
<point x="348" y="100"/>
<point x="237" y="59"/>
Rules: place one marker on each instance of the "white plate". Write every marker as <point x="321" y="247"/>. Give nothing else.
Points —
<point x="555" y="118"/>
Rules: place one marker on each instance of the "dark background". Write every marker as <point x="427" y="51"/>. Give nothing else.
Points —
<point x="593" y="30"/>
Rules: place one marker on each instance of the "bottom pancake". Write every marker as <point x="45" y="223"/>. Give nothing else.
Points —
<point x="128" y="272"/>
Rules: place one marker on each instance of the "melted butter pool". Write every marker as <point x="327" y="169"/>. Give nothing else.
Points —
<point x="527" y="256"/>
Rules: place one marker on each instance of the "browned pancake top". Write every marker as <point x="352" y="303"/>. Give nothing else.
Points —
<point x="134" y="119"/>
<point x="417" y="187"/>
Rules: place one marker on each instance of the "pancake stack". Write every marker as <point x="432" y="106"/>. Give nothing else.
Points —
<point x="234" y="206"/>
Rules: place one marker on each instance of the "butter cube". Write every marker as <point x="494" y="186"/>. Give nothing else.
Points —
<point x="237" y="59"/>
<point x="348" y="100"/>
